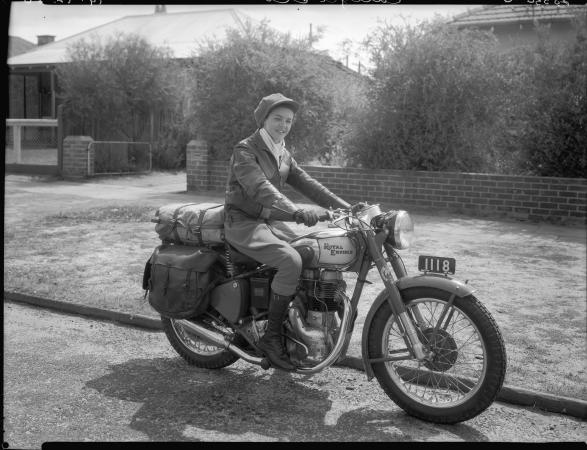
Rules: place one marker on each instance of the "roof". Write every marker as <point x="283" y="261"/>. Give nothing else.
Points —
<point x="18" y="45"/>
<point x="489" y="15"/>
<point x="178" y="31"/>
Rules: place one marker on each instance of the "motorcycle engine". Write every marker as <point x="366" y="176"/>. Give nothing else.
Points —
<point x="313" y="323"/>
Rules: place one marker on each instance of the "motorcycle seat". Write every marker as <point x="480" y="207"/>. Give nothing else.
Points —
<point x="239" y="258"/>
<point x="236" y="257"/>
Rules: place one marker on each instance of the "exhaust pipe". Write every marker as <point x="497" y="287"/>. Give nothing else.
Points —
<point x="340" y="342"/>
<point x="217" y="339"/>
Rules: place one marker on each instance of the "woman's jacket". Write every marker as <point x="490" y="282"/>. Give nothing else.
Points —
<point x="255" y="183"/>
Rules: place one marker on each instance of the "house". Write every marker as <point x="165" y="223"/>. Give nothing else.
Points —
<point x="33" y="83"/>
<point x="17" y="45"/>
<point x="515" y="25"/>
<point x="32" y="76"/>
<point x="32" y="79"/>
<point x="29" y="91"/>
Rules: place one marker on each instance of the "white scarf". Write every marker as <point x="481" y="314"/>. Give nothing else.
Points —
<point x="278" y="150"/>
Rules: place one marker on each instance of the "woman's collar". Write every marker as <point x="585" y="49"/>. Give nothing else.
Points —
<point x="269" y="140"/>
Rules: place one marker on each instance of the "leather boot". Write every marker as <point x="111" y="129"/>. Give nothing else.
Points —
<point x="271" y="343"/>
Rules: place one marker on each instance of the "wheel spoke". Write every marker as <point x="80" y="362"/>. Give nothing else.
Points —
<point x="459" y="360"/>
<point x="194" y="343"/>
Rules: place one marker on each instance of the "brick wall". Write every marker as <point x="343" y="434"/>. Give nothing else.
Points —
<point x="558" y="200"/>
<point x="197" y="166"/>
<point x="75" y="157"/>
<point x="534" y="198"/>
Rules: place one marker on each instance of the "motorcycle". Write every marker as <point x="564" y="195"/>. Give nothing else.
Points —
<point x="433" y="347"/>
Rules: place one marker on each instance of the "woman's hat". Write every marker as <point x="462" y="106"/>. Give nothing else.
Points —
<point x="271" y="101"/>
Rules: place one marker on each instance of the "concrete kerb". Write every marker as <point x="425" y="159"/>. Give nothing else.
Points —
<point x="508" y="394"/>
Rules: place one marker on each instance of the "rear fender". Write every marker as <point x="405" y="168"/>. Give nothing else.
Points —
<point x="441" y="282"/>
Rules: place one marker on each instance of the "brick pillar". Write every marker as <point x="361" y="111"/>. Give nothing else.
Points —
<point x="197" y="165"/>
<point x="75" y="157"/>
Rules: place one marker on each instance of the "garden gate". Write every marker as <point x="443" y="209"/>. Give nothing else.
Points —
<point x="119" y="157"/>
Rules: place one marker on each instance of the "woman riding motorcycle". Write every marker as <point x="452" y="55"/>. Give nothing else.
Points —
<point x="255" y="207"/>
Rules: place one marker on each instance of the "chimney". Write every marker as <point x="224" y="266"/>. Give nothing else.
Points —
<point x="45" y="39"/>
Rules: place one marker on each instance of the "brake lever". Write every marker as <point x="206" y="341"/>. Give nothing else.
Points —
<point x="330" y="215"/>
<point x="324" y="218"/>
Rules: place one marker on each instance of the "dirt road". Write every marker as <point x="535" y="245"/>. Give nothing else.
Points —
<point x="67" y="378"/>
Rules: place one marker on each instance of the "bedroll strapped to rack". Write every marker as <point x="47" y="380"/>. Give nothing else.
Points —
<point x="195" y="224"/>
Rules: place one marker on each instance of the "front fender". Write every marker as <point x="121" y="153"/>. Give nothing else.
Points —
<point x="441" y="282"/>
<point x="435" y="281"/>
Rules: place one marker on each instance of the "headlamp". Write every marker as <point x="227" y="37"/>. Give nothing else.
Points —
<point x="399" y="227"/>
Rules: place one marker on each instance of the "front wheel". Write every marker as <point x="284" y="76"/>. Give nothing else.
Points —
<point x="468" y="359"/>
<point x="194" y="350"/>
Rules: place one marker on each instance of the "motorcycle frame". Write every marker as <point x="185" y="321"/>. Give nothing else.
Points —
<point x="370" y="256"/>
<point x="393" y="291"/>
<point x="374" y="254"/>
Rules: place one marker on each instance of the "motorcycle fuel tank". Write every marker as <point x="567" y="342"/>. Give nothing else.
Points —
<point x="327" y="248"/>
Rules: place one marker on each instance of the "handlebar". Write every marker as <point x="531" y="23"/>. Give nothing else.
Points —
<point x="326" y="216"/>
<point x="339" y="212"/>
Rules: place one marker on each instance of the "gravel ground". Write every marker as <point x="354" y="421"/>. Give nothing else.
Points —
<point x="68" y="378"/>
<point x="524" y="273"/>
<point x="73" y="379"/>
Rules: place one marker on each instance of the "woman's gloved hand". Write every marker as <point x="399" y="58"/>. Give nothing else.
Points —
<point x="358" y="207"/>
<point x="307" y="217"/>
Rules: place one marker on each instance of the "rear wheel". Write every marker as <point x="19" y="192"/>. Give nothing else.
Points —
<point x="468" y="363"/>
<point x="193" y="349"/>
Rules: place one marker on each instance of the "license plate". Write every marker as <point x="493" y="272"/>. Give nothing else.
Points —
<point x="436" y="264"/>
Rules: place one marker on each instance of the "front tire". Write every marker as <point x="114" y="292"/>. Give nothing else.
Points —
<point x="467" y="370"/>
<point x="194" y="350"/>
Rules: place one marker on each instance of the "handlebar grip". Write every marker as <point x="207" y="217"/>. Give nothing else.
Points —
<point x="324" y="217"/>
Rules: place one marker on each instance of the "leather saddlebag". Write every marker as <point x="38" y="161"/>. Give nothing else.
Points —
<point x="178" y="280"/>
<point x="195" y="224"/>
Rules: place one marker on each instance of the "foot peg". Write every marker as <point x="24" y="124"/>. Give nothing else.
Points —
<point x="265" y="364"/>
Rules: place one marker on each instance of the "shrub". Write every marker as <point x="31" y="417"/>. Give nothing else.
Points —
<point x="436" y="102"/>
<point x="233" y="76"/>
<point x="113" y="89"/>
<point x="169" y="150"/>
<point x="554" y="139"/>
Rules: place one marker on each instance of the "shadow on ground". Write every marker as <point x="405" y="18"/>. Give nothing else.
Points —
<point x="182" y="403"/>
